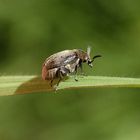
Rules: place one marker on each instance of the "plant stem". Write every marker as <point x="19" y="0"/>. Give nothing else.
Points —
<point x="11" y="85"/>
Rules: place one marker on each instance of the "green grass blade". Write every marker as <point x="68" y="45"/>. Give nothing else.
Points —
<point x="11" y="85"/>
<point x="100" y="81"/>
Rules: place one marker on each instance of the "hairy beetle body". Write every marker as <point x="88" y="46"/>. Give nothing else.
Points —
<point x="64" y="63"/>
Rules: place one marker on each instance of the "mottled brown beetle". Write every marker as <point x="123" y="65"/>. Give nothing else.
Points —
<point x="63" y="63"/>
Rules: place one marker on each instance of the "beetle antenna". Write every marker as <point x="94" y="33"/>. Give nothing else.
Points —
<point x="88" y="50"/>
<point x="96" y="56"/>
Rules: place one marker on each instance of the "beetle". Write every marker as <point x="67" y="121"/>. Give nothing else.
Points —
<point x="61" y="64"/>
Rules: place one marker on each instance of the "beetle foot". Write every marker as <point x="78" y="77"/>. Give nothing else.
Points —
<point x="55" y="89"/>
<point x="83" y="74"/>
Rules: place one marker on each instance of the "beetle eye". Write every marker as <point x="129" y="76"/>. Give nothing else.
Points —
<point x="86" y="59"/>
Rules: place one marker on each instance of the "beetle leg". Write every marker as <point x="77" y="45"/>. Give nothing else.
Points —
<point x="59" y="75"/>
<point x="58" y="81"/>
<point x="81" y="68"/>
<point x="75" y="75"/>
<point x="82" y="72"/>
<point x="62" y="72"/>
<point x="76" y="68"/>
<point x="51" y="82"/>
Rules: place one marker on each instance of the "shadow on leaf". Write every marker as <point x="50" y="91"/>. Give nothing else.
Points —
<point x="35" y="85"/>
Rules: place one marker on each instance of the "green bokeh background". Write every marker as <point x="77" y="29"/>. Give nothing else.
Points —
<point x="32" y="30"/>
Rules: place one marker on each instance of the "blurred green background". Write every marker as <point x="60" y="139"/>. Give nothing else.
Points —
<point x="31" y="30"/>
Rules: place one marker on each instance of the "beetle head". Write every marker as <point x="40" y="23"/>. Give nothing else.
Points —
<point x="88" y="60"/>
